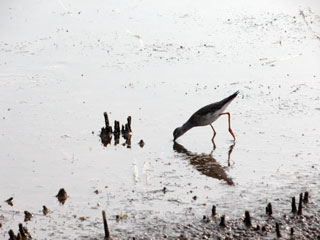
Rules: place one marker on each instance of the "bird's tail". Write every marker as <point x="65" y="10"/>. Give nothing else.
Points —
<point x="228" y="100"/>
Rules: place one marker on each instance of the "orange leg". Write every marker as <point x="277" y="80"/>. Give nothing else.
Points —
<point x="230" y="130"/>
<point x="214" y="135"/>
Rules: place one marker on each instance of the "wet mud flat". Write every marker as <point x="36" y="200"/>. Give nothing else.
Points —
<point x="158" y="62"/>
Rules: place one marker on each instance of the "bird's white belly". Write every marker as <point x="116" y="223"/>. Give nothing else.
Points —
<point x="209" y="118"/>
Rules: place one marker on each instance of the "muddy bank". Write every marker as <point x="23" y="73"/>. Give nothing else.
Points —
<point x="302" y="221"/>
<point x="286" y="226"/>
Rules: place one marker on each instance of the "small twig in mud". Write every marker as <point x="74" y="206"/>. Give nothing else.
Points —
<point x="293" y="205"/>
<point x="300" y="205"/>
<point x="269" y="209"/>
<point x="278" y="230"/>
<point x="105" y="225"/>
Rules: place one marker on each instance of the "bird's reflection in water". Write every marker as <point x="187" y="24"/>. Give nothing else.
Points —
<point x="206" y="164"/>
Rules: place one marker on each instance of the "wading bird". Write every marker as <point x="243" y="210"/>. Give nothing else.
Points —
<point x="206" y="116"/>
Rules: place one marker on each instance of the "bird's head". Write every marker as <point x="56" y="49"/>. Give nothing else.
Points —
<point x="177" y="133"/>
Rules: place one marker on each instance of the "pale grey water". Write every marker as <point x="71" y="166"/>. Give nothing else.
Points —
<point x="62" y="64"/>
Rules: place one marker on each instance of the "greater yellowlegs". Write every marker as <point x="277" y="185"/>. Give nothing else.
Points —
<point x="206" y="116"/>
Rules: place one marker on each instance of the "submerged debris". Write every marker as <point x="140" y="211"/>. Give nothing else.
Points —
<point x="107" y="133"/>
<point x="293" y="205"/>
<point x="141" y="143"/>
<point x="247" y="219"/>
<point x="62" y="196"/>
<point x="23" y="233"/>
<point x="45" y="210"/>
<point x="96" y="191"/>
<point x="116" y="132"/>
<point x="278" y="230"/>
<point x="213" y="211"/>
<point x="223" y="221"/>
<point x="291" y="232"/>
<point x="12" y="235"/>
<point x="300" y="205"/>
<point x="269" y="209"/>
<point x="27" y="216"/>
<point x="121" y="216"/>
<point x="164" y="190"/>
<point x="306" y="198"/>
<point x="10" y="201"/>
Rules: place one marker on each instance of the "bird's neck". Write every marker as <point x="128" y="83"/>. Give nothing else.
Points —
<point x="185" y="127"/>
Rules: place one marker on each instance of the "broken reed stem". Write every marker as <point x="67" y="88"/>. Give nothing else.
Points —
<point x="278" y="230"/>
<point x="300" y="205"/>
<point x="105" y="225"/>
<point x="293" y="205"/>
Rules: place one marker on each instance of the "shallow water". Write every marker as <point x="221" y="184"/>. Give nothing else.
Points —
<point x="64" y="64"/>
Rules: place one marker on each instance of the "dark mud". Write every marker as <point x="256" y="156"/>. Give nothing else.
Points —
<point x="284" y="225"/>
<point x="301" y="224"/>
